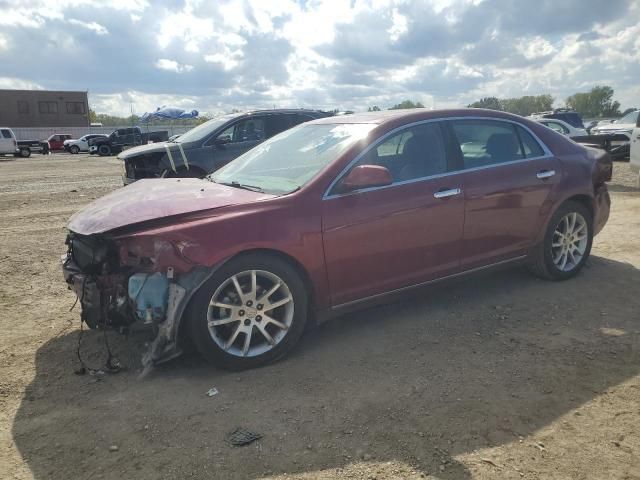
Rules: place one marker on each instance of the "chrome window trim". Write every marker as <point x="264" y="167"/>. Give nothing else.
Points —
<point x="343" y="172"/>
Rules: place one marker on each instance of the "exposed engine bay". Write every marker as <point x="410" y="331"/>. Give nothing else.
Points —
<point x="115" y="294"/>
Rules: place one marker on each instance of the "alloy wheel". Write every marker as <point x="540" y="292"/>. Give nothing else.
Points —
<point x="250" y="313"/>
<point x="569" y="241"/>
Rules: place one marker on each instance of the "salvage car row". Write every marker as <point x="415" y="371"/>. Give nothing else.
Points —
<point x="330" y="215"/>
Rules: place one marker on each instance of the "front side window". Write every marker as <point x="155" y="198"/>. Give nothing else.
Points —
<point x="6" y="133"/>
<point x="249" y="130"/>
<point x="487" y="142"/>
<point x="292" y="158"/>
<point x="413" y="153"/>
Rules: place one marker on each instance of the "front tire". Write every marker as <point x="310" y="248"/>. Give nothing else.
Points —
<point x="74" y="149"/>
<point x="251" y="312"/>
<point x="566" y="245"/>
<point x="104" y="150"/>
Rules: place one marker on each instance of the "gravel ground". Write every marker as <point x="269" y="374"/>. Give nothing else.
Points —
<point x="501" y="376"/>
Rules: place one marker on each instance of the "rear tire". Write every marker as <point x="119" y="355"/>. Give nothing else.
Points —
<point x="25" y="152"/>
<point x="566" y="245"/>
<point x="261" y="325"/>
<point x="104" y="150"/>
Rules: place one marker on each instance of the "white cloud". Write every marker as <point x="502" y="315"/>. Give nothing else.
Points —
<point x="172" y="66"/>
<point x="19" y="84"/>
<point x="93" y="26"/>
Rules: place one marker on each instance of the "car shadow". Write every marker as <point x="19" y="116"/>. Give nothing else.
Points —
<point x="455" y="368"/>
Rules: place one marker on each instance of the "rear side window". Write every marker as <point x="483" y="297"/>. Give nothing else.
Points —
<point x="276" y="123"/>
<point x="486" y="142"/>
<point x="6" y="133"/>
<point x="529" y="144"/>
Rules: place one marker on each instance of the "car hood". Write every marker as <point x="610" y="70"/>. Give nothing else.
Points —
<point x="142" y="149"/>
<point x="152" y="199"/>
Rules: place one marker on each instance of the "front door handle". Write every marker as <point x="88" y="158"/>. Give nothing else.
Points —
<point x="447" y="192"/>
<point x="544" y="174"/>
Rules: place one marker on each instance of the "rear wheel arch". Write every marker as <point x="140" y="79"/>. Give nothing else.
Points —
<point x="585" y="200"/>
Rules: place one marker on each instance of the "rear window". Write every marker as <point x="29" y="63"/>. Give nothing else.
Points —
<point x="572" y="118"/>
<point x="487" y="142"/>
<point x="531" y="147"/>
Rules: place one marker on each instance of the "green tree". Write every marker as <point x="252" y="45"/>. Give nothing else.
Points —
<point x="375" y="108"/>
<point x="492" y="103"/>
<point x="407" y="104"/>
<point x="528" y="104"/>
<point x="596" y="103"/>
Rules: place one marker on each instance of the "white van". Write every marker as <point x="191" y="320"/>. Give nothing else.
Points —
<point x="8" y="143"/>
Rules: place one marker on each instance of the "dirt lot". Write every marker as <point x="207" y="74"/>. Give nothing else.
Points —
<point x="500" y="376"/>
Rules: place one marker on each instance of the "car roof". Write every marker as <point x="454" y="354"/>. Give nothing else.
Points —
<point x="414" y="114"/>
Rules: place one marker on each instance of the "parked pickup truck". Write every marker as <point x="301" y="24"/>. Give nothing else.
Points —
<point x="123" y="138"/>
<point x="19" y="148"/>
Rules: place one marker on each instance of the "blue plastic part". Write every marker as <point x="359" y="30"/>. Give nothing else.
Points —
<point x="149" y="293"/>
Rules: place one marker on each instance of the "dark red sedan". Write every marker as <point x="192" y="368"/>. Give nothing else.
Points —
<point x="331" y="214"/>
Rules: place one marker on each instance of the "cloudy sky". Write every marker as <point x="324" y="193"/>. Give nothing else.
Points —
<point x="218" y="55"/>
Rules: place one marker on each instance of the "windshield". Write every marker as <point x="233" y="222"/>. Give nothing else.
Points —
<point x="289" y="160"/>
<point x="203" y="131"/>
<point x="631" y="117"/>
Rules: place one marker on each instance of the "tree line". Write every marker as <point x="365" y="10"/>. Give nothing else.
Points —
<point x="116" y="121"/>
<point x="596" y="103"/>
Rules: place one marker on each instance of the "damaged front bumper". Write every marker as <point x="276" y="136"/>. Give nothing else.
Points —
<point x="113" y="296"/>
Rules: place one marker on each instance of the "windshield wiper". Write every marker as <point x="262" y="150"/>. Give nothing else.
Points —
<point x="245" y="186"/>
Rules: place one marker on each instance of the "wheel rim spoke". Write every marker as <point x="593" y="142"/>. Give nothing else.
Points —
<point x="247" y="342"/>
<point x="277" y="304"/>
<point x="270" y="292"/>
<point x="232" y="338"/>
<point x="254" y="284"/>
<point x="236" y="284"/>
<point x="222" y="321"/>
<point x="266" y="334"/>
<point x="275" y="322"/>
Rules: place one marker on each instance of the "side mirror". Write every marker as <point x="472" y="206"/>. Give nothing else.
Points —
<point x="366" y="176"/>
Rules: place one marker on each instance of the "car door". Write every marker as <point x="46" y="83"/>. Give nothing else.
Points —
<point x="381" y="239"/>
<point x="509" y="176"/>
<point x="6" y="141"/>
<point x="237" y="139"/>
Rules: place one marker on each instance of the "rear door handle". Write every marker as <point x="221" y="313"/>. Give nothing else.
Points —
<point x="447" y="192"/>
<point x="543" y="174"/>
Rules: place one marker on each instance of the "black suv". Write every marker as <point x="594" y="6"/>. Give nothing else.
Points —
<point x="564" y="114"/>
<point x="209" y="146"/>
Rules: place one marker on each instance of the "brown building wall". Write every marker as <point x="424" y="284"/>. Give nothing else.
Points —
<point x="43" y="108"/>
